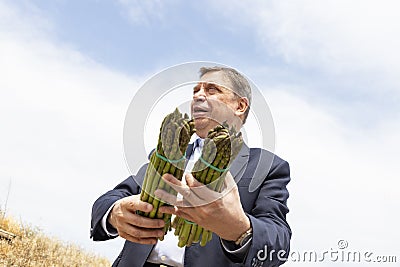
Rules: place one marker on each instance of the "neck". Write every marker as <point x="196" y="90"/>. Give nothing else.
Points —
<point x="202" y="133"/>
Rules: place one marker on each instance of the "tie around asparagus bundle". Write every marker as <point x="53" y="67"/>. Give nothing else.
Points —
<point x="169" y="157"/>
<point x="220" y="148"/>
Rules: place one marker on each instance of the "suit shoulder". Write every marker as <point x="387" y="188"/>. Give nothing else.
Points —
<point x="267" y="157"/>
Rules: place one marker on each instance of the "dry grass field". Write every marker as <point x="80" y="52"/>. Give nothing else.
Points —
<point x="31" y="247"/>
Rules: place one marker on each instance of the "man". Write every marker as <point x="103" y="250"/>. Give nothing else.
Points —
<point x="250" y="228"/>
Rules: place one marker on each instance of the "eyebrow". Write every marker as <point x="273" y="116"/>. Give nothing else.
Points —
<point x="207" y="84"/>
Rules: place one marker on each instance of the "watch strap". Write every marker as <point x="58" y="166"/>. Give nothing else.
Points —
<point x="244" y="237"/>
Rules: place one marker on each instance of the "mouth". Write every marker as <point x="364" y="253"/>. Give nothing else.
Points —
<point x="200" y="111"/>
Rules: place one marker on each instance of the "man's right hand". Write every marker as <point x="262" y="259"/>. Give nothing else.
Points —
<point x="132" y="226"/>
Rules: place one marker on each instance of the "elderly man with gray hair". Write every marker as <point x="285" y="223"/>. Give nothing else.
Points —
<point x="243" y="223"/>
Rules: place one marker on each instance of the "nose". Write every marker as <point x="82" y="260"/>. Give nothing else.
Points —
<point x="200" y="95"/>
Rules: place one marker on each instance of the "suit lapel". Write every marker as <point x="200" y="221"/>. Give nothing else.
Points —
<point x="238" y="164"/>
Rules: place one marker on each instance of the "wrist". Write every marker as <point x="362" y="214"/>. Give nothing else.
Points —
<point x="111" y="218"/>
<point x="243" y="225"/>
<point x="245" y="231"/>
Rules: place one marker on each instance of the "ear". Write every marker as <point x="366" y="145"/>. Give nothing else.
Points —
<point x="243" y="104"/>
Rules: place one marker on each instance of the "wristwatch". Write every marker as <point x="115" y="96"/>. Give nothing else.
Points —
<point x="244" y="237"/>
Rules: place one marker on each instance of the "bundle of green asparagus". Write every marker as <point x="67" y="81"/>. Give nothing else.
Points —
<point x="220" y="148"/>
<point x="169" y="157"/>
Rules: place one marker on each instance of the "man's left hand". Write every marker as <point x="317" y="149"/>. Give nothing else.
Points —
<point x="221" y="213"/>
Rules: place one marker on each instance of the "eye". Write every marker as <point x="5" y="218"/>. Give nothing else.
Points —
<point x="212" y="89"/>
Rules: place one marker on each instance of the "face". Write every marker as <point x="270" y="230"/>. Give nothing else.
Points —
<point x="214" y="103"/>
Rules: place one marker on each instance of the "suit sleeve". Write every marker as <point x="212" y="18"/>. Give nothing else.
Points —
<point x="126" y="188"/>
<point x="271" y="232"/>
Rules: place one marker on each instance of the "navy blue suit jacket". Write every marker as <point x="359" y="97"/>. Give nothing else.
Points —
<point x="266" y="207"/>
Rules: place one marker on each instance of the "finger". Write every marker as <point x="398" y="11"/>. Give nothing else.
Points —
<point x="229" y="180"/>
<point x="170" y="178"/>
<point x="191" y="181"/>
<point x="193" y="196"/>
<point x="132" y="218"/>
<point x="170" y="199"/>
<point x="229" y="183"/>
<point x="140" y="232"/>
<point x="202" y="191"/>
<point x="184" y="190"/>
<point x="184" y="212"/>
<point x="145" y="222"/>
<point x="206" y="194"/>
<point x="147" y="241"/>
<point x="134" y="204"/>
<point x="168" y="209"/>
<point x="166" y="197"/>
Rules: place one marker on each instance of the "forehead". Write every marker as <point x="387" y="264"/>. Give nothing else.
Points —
<point x="217" y="77"/>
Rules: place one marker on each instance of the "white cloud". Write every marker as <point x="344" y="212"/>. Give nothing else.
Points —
<point x="31" y="24"/>
<point x="344" y="180"/>
<point x="61" y="140"/>
<point x="354" y="39"/>
<point x="143" y="12"/>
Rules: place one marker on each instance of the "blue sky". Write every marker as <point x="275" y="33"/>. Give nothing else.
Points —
<point x="113" y="35"/>
<point x="106" y="32"/>
<point x="329" y="70"/>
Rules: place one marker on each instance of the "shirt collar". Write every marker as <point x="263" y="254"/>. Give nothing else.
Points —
<point x="199" y="140"/>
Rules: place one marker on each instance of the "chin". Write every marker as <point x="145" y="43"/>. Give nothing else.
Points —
<point x="201" y="123"/>
<point x="204" y="125"/>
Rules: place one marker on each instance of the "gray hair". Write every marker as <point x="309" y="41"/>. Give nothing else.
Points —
<point x="240" y="84"/>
